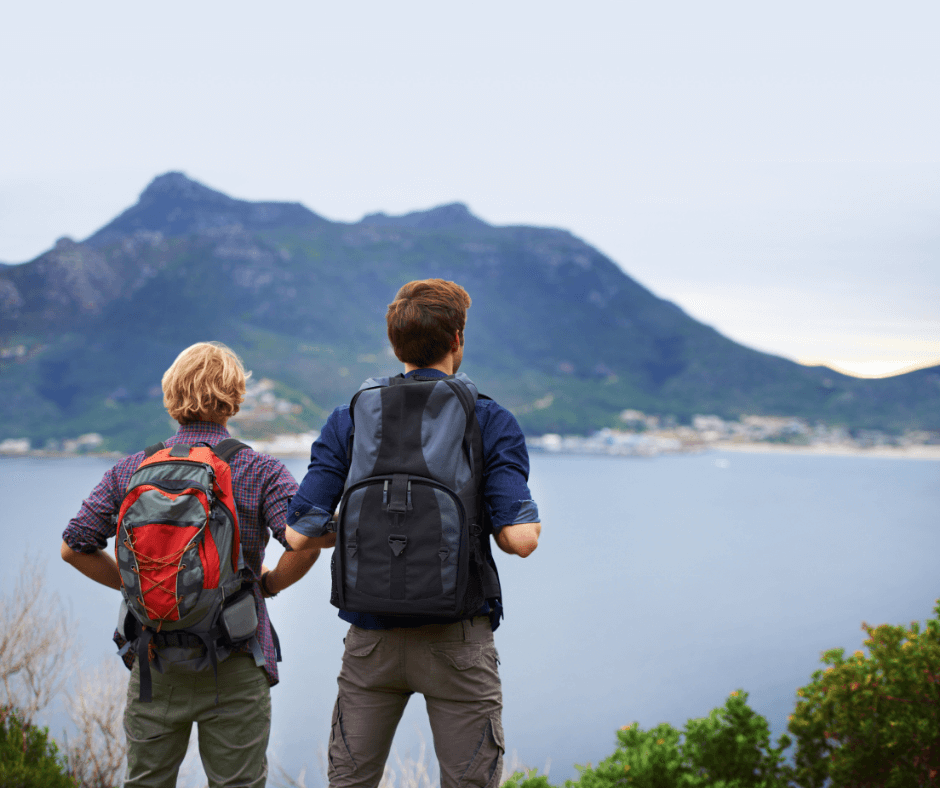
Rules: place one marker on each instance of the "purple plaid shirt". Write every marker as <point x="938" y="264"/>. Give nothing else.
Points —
<point x="262" y="488"/>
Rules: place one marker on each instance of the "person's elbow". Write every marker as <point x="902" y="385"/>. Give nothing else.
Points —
<point x="529" y="540"/>
<point x="520" y="539"/>
<point x="67" y="553"/>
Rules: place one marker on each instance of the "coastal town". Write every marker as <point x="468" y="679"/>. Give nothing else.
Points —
<point x="638" y="435"/>
<point x="645" y="435"/>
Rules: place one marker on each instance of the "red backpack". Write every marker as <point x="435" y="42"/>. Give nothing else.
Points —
<point x="183" y="576"/>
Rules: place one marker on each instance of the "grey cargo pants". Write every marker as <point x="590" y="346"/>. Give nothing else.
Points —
<point x="454" y="666"/>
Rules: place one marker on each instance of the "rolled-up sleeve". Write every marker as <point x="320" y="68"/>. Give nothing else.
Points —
<point x="322" y="487"/>
<point x="506" y="467"/>
<point x="279" y="487"/>
<point x="91" y="528"/>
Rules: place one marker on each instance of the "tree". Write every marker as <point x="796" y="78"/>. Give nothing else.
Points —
<point x="873" y="720"/>
<point x="36" y="654"/>
<point x="28" y="758"/>
<point x="95" y="704"/>
<point x="37" y="658"/>
<point x="730" y="748"/>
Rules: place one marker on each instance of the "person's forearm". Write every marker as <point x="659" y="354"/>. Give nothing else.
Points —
<point x="299" y="542"/>
<point x="290" y="568"/>
<point x="99" y="566"/>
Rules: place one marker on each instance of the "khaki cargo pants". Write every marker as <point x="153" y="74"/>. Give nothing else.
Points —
<point x="454" y="666"/>
<point x="233" y="735"/>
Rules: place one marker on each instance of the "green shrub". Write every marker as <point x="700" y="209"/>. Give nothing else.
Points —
<point x="730" y="748"/>
<point x="875" y="720"/>
<point x="28" y="758"/>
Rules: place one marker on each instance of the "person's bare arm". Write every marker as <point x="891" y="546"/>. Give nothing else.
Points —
<point x="99" y="566"/>
<point x="291" y="566"/>
<point x="520" y="539"/>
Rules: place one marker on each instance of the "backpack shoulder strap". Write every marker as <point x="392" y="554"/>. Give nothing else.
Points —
<point x="228" y="448"/>
<point x="463" y="393"/>
<point x="151" y="450"/>
<point x="369" y="385"/>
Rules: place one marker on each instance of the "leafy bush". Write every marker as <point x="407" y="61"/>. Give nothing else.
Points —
<point x="28" y="758"/>
<point x="730" y="748"/>
<point x="875" y="720"/>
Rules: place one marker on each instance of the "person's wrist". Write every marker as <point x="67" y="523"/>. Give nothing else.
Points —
<point x="265" y="587"/>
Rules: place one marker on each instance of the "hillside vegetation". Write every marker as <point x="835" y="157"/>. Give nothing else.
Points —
<point x="557" y="332"/>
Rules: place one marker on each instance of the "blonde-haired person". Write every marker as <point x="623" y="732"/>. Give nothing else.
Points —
<point x="202" y="390"/>
<point x="205" y="383"/>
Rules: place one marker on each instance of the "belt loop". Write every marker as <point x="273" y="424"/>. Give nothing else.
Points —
<point x="466" y="630"/>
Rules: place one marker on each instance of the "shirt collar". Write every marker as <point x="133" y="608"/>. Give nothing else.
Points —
<point x="202" y="431"/>
<point x="426" y="373"/>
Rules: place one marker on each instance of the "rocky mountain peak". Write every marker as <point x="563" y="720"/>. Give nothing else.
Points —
<point x="454" y="214"/>
<point x="175" y="205"/>
<point x="177" y="187"/>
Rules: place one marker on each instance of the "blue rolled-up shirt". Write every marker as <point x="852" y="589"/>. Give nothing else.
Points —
<point x="506" y="493"/>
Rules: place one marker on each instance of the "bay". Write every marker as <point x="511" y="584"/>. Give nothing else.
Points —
<point x="660" y="586"/>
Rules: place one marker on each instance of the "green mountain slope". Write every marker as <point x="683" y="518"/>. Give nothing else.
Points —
<point x="557" y="331"/>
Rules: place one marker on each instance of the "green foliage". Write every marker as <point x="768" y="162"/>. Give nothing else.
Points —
<point x="730" y="748"/>
<point x="28" y="757"/>
<point x="733" y="744"/>
<point x="874" y="720"/>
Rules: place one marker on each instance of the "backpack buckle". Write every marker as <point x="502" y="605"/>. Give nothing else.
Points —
<point x="397" y="542"/>
<point x="400" y="499"/>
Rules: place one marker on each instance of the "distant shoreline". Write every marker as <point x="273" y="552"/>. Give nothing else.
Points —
<point x="917" y="452"/>
<point x="830" y="450"/>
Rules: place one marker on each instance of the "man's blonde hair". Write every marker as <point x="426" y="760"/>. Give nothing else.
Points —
<point x="205" y="383"/>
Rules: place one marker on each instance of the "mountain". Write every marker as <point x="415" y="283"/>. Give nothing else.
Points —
<point x="174" y="205"/>
<point x="557" y="332"/>
<point x="454" y="215"/>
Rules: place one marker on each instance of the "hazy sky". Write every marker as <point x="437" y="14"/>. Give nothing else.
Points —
<point x="772" y="168"/>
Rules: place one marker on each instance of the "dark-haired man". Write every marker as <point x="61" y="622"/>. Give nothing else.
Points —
<point x="452" y="662"/>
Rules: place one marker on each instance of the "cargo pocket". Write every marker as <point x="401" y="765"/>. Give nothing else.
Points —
<point x="339" y="755"/>
<point x="465" y="670"/>
<point x="361" y="642"/>
<point x="486" y="765"/>
<point x="146" y="721"/>
<point x="461" y="656"/>
<point x="359" y="665"/>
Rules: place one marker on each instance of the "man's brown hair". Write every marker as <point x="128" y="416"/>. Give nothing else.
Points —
<point x="423" y="319"/>
<point x="205" y="383"/>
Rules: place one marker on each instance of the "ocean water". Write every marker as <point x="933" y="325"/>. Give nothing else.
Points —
<point x="660" y="585"/>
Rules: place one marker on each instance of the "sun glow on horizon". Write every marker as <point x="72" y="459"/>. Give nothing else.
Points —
<point x="875" y="368"/>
